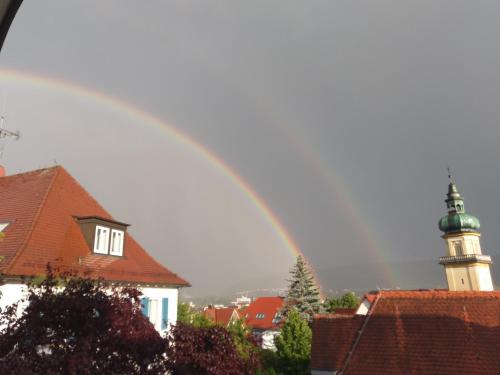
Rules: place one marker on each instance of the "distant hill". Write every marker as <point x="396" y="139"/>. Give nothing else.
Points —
<point x="426" y="274"/>
<point x="360" y="278"/>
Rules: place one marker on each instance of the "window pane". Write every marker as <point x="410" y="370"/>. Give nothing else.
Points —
<point x="116" y="242"/>
<point x="101" y="240"/>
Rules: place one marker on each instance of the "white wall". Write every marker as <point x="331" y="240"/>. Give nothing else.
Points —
<point x="268" y="339"/>
<point x="12" y="293"/>
<point x="158" y="294"/>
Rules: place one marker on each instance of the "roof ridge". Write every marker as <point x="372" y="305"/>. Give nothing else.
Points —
<point x="360" y="333"/>
<point x="37" y="215"/>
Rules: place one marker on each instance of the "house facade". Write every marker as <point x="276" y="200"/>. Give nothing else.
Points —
<point x="47" y="217"/>
<point x="223" y="316"/>
<point x="263" y="317"/>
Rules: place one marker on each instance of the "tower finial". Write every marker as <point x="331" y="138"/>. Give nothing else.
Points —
<point x="450" y="177"/>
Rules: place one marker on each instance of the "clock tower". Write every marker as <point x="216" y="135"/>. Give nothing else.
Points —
<point x="465" y="266"/>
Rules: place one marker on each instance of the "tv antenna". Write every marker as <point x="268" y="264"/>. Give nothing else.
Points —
<point x="6" y="132"/>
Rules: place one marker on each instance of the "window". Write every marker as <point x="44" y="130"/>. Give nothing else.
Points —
<point x="150" y="309"/>
<point x="101" y="241"/>
<point x="458" y="248"/>
<point x="116" y="247"/>
<point x="3" y="226"/>
<point x="164" y="313"/>
<point x="153" y="311"/>
<point x="277" y="318"/>
<point x="260" y="316"/>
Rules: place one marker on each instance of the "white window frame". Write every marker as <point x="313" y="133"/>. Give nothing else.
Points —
<point x="97" y="244"/>
<point x="116" y="247"/>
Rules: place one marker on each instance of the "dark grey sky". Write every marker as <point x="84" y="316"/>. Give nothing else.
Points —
<point x="342" y="115"/>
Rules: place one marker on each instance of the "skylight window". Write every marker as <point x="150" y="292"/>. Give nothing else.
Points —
<point x="101" y="241"/>
<point x="116" y="242"/>
<point x="260" y="316"/>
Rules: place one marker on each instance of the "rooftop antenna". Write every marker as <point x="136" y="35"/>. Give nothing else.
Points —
<point x="6" y="132"/>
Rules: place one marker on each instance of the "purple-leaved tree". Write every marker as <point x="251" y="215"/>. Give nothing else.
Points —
<point x="75" y="325"/>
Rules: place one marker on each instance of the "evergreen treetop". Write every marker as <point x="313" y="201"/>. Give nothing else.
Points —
<point x="303" y="293"/>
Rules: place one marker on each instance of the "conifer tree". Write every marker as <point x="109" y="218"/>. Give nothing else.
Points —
<point x="293" y="345"/>
<point x="303" y="293"/>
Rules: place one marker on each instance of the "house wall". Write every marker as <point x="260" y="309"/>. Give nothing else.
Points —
<point x="158" y="294"/>
<point x="363" y="308"/>
<point x="13" y="292"/>
<point x="268" y="339"/>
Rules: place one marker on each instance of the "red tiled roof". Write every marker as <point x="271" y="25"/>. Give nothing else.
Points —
<point x="41" y="207"/>
<point x="222" y="315"/>
<point x="333" y="335"/>
<point x="418" y="332"/>
<point x="269" y="307"/>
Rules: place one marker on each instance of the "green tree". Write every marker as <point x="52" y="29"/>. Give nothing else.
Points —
<point x="184" y="313"/>
<point x="199" y="320"/>
<point x="303" y="293"/>
<point x="349" y="301"/>
<point x="242" y="338"/>
<point x="293" y="345"/>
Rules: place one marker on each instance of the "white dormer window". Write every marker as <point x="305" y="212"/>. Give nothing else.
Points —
<point x="3" y="226"/>
<point x="101" y="241"/>
<point x="116" y="242"/>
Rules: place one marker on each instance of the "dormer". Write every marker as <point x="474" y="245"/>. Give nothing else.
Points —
<point x="103" y="236"/>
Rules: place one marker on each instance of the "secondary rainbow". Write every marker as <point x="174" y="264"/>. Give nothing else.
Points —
<point x="31" y="79"/>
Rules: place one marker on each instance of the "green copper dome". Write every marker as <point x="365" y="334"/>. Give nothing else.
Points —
<point x="457" y="219"/>
<point x="459" y="222"/>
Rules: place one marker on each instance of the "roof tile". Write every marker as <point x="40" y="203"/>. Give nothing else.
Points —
<point x="418" y="332"/>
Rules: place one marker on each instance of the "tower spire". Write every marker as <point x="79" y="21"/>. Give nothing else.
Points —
<point x="465" y="265"/>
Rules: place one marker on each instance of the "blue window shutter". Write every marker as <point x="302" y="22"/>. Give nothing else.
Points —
<point x="145" y="306"/>
<point x="164" y="313"/>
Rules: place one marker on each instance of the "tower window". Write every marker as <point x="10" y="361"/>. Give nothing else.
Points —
<point x="458" y="248"/>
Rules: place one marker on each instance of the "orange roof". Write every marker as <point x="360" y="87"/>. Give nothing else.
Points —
<point x="41" y="207"/>
<point x="262" y="313"/>
<point x="413" y="332"/>
<point x="221" y="315"/>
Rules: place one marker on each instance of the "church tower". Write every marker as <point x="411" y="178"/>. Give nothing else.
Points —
<point x="465" y="265"/>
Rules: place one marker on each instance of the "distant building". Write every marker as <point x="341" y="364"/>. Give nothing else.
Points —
<point x="263" y="317"/>
<point x="223" y="316"/>
<point x="241" y="302"/>
<point x="48" y="217"/>
<point x="455" y="331"/>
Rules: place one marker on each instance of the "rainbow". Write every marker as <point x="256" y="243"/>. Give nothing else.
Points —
<point x="371" y="242"/>
<point x="15" y="76"/>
